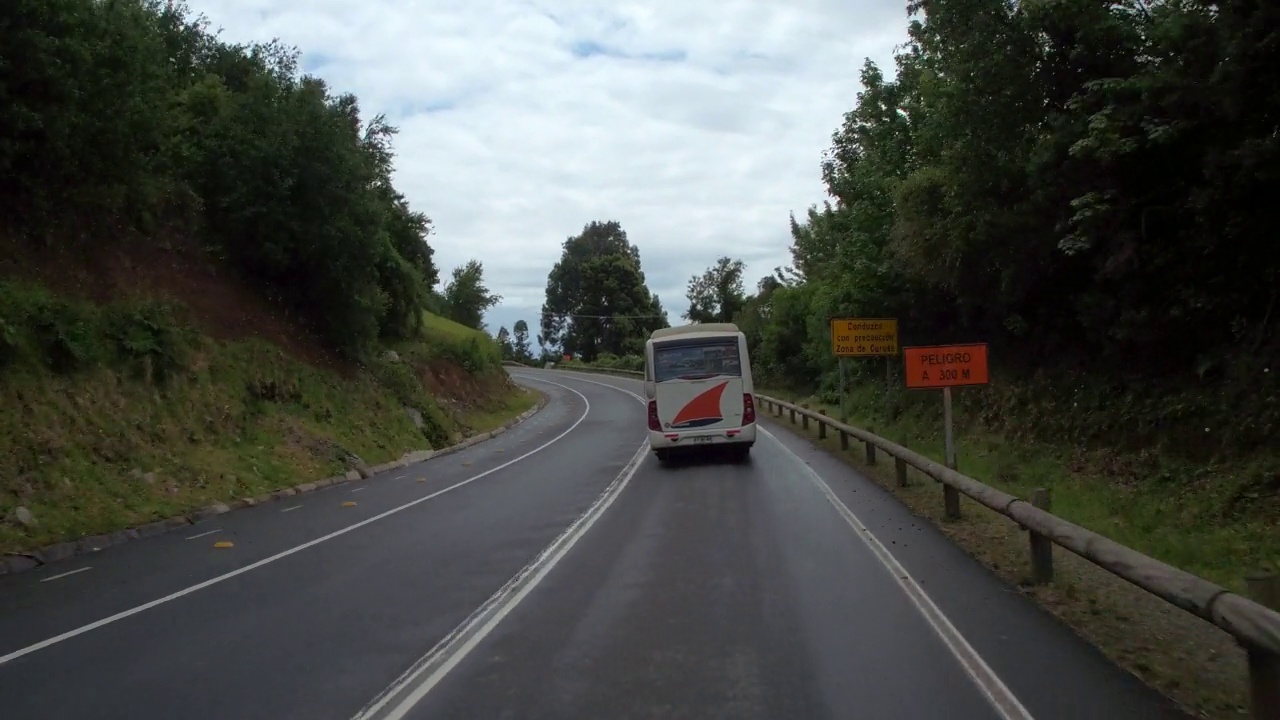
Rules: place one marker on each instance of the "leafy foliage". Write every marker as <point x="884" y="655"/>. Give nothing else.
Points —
<point x="466" y="297"/>
<point x="66" y="336"/>
<point x="597" y="301"/>
<point x="505" y="345"/>
<point x="117" y="118"/>
<point x="717" y="295"/>
<point x="468" y="348"/>
<point x="1086" y="186"/>
<point x="515" y="345"/>
<point x="520" y="342"/>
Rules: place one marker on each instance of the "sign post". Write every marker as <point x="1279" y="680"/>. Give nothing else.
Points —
<point x="888" y="390"/>
<point x="949" y="437"/>
<point x="844" y="413"/>
<point x="944" y="367"/>
<point x="861" y="337"/>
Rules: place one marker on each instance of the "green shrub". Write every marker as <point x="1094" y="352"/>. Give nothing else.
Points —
<point x="152" y="337"/>
<point x="400" y="379"/>
<point x="69" y="335"/>
<point x="633" y="363"/>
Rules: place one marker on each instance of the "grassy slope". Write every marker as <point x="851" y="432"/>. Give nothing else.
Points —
<point x="1139" y="499"/>
<point x="106" y="447"/>
<point x="1174" y="510"/>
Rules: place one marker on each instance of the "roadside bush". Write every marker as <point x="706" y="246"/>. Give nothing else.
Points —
<point x="152" y="337"/>
<point x="69" y="336"/>
<point x="634" y="363"/>
<point x="399" y="377"/>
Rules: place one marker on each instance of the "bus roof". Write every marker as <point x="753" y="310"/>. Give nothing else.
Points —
<point x="709" y="328"/>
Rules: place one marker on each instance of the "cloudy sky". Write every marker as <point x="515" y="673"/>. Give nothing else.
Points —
<point x="697" y="128"/>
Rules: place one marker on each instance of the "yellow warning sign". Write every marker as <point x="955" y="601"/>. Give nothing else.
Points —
<point x="864" y="337"/>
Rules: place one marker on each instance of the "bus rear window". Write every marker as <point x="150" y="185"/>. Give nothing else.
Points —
<point x="691" y="362"/>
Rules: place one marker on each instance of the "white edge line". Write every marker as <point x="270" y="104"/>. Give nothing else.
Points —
<point x="595" y="382"/>
<point x="69" y="572"/>
<point x="996" y="692"/>
<point x="210" y="532"/>
<point x="455" y="647"/>
<point x="268" y="560"/>
<point x="289" y="509"/>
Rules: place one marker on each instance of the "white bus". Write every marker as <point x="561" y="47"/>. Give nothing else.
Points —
<point x="698" y="383"/>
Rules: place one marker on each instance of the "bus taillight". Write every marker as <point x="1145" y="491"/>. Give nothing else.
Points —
<point x="748" y="409"/>
<point x="654" y="423"/>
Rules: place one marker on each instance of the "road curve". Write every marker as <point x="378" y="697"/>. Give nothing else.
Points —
<point x="553" y="572"/>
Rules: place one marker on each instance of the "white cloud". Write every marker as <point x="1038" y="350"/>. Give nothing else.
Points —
<point x="697" y="125"/>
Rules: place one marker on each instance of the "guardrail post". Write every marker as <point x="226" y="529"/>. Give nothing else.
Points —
<point x="822" y="430"/>
<point x="1041" y="547"/>
<point x="793" y="415"/>
<point x="950" y="502"/>
<point x="1264" y="667"/>
<point x="844" y="440"/>
<point x="871" y="454"/>
<point x="900" y="469"/>
<point x="950" y="496"/>
<point x="804" y="421"/>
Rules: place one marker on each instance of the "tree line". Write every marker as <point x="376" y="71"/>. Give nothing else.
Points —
<point x="1088" y="187"/>
<point x="1077" y="183"/>
<point x="131" y="120"/>
<point x="1080" y="185"/>
<point x="597" y="302"/>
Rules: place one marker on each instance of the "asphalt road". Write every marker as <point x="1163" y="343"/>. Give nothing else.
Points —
<point x="553" y="572"/>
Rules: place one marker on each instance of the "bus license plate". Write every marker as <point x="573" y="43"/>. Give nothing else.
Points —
<point x="702" y="438"/>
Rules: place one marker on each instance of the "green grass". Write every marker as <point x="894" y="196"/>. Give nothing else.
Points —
<point x="440" y="327"/>
<point x="1188" y="515"/>
<point x="1184" y="657"/>
<point x="472" y="349"/>
<point x="500" y="412"/>
<point x="94" y="439"/>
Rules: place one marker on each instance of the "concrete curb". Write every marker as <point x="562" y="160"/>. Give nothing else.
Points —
<point x="23" y="562"/>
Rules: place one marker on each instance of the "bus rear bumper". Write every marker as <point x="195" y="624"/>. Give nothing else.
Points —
<point x="694" y="439"/>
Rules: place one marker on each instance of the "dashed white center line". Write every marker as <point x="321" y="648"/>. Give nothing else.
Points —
<point x="62" y="575"/>
<point x="193" y="537"/>
<point x="288" y="509"/>
<point x="356" y="489"/>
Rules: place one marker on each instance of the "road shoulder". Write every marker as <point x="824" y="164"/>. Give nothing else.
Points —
<point x="1086" y="602"/>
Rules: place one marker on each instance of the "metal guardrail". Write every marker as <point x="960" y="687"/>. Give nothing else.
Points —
<point x="1251" y="623"/>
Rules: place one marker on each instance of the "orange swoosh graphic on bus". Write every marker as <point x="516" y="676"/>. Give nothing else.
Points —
<point x="703" y="409"/>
